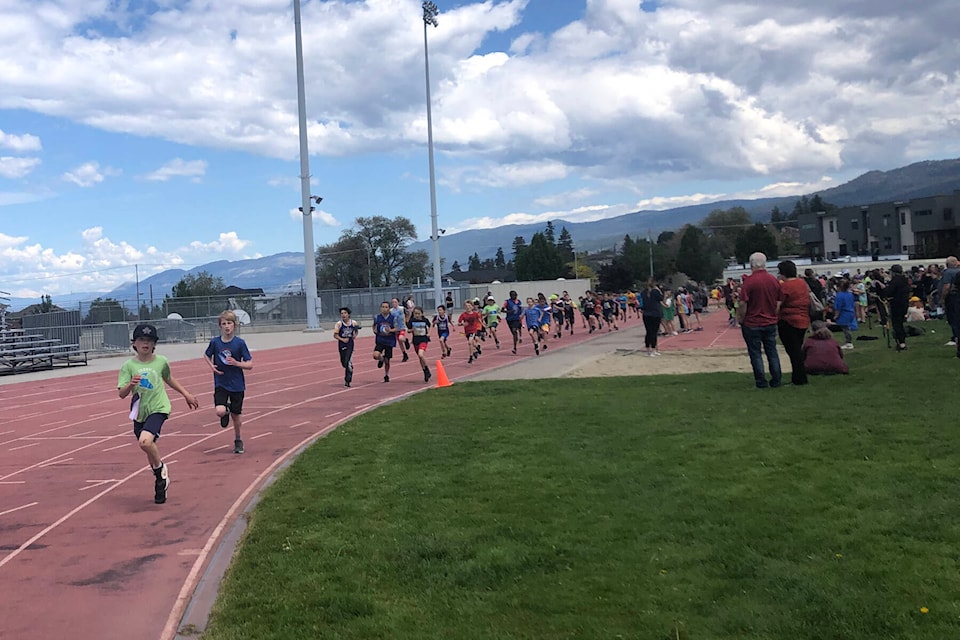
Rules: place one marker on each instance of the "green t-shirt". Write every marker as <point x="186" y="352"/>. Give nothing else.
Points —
<point x="491" y="314"/>
<point x="152" y="390"/>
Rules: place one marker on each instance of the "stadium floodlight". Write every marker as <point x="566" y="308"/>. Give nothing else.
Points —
<point x="430" y="12"/>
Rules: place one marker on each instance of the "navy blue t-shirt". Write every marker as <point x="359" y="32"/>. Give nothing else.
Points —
<point x="382" y="326"/>
<point x="232" y="376"/>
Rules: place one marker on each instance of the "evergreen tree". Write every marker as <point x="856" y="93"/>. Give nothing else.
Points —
<point x="548" y="233"/>
<point x="473" y="262"/>
<point x="756" y="238"/>
<point x="455" y="266"/>
<point x="518" y="245"/>
<point x="499" y="261"/>
<point x="565" y="245"/>
<point x="539" y="261"/>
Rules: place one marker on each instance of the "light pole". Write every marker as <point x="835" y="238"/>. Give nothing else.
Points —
<point x="309" y="266"/>
<point x="430" y="12"/>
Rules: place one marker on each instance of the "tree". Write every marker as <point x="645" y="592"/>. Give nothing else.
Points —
<point x="455" y="267"/>
<point x="548" y="233"/>
<point x="615" y="277"/>
<point x="499" y="262"/>
<point x="755" y="238"/>
<point x="200" y="285"/>
<point x="473" y="262"/>
<point x="46" y="303"/>
<point x="518" y="245"/>
<point x="694" y="257"/>
<point x="387" y="240"/>
<point x="565" y="245"/>
<point x="725" y="226"/>
<point x="539" y="261"/>
<point x="106" y="310"/>
<point x="343" y="264"/>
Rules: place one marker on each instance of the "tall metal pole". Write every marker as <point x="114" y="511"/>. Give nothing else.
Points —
<point x="309" y="265"/>
<point x="430" y="12"/>
<point x="650" y="246"/>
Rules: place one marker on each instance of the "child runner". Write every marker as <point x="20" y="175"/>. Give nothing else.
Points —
<point x="569" y="309"/>
<point x="545" y="316"/>
<point x="144" y="376"/>
<point x="513" y="309"/>
<point x="419" y="327"/>
<point x="400" y="322"/>
<point x="345" y="331"/>
<point x="385" y="328"/>
<point x="556" y="308"/>
<point x="491" y="318"/>
<point x="442" y="323"/>
<point x="531" y="316"/>
<point x="228" y="357"/>
<point x="470" y="321"/>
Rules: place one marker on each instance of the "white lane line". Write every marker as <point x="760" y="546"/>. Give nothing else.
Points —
<point x="93" y="484"/>
<point x="50" y="464"/>
<point x="261" y="435"/>
<point x="299" y="424"/>
<point x="24" y="506"/>
<point x="3" y="433"/>
<point x="335" y="413"/>
<point x="361" y="406"/>
<point x="125" y="444"/>
<point x="82" y="433"/>
<point x="217" y="448"/>
<point x="13" y="482"/>
<point x="32" y="444"/>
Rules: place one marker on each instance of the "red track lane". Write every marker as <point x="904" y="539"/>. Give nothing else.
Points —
<point x="84" y="552"/>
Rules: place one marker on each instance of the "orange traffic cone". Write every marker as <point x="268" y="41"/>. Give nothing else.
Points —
<point x="442" y="379"/>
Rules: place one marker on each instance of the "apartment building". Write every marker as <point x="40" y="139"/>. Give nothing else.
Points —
<point x="920" y="227"/>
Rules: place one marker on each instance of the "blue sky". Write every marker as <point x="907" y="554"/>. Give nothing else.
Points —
<point x="163" y="133"/>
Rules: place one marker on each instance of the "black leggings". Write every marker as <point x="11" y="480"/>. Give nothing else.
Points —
<point x="652" y="324"/>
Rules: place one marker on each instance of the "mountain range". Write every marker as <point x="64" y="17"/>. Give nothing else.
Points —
<point x="284" y="271"/>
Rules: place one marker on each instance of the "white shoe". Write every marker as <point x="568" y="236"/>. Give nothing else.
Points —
<point x="952" y="343"/>
<point x="847" y="346"/>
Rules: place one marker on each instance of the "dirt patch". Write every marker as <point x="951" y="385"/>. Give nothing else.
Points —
<point x="634" y="362"/>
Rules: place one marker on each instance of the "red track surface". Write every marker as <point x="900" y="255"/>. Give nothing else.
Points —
<point x="84" y="552"/>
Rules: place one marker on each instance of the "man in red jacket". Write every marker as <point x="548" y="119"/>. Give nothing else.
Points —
<point x="757" y="313"/>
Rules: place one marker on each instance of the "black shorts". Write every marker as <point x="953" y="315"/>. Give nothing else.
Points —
<point x="514" y="325"/>
<point x="386" y="350"/>
<point x="232" y="399"/>
<point x="152" y="424"/>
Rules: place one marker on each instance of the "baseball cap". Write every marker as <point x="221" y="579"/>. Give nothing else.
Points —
<point x="145" y="331"/>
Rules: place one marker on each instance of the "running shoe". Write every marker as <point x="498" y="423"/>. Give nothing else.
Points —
<point x="238" y="446"/>
<point x="380" y="363"/>
<point x="470" y="360"/>
<point x="536" y="348"/>
<point x="405" y="357"/>
<point x="426" y="374"/>
<point x="386" y="378"/>
<point x="161" y="483"/>
<point x="225" y="420"/>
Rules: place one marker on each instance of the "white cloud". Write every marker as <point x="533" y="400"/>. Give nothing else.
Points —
<point x="564" y="198"/>
<point x="179" y="168"/>
<point x="228" y="242"/>
<point x="14" y="167"/>
<point x="89" y="174"/>
<point x="20" y="143"/>
<point x="320" y="217"/>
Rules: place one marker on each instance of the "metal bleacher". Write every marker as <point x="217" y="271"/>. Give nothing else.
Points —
<point x="21" y="351"/>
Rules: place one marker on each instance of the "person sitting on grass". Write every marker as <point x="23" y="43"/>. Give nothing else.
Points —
<point x="821" y="353"/>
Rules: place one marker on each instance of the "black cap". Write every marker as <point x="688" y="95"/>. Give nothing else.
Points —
<point x="145" y="331"/>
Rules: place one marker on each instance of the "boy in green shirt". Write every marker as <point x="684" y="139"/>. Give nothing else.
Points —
<point x="491" y="318"/>
<point x="144" y="376"/>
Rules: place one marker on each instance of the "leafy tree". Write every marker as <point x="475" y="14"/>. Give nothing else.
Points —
<point x="455" y="267"/>
<point x="499" y="262"/>
<point x="387" y="240"/>
<point x="755" y="238"/>
<point x="416" y="265"/>
<point x="46" y="303"/>
<point x="615" y="277"/>
<point x="724" y="226"/>
<point x="343" y="264"/>
<point x="539" y="261"/>
<point x="200" y="285"/>
<point x="694" y="257"/>
<point x="106" y="310"/>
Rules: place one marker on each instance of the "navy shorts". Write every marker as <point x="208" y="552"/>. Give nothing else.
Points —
<point x="386" y="350"/>
<point x="232" y="399"/>
<point x="152" y="424"/>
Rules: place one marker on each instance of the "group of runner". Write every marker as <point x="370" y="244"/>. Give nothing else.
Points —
<point x="407" y="327"/>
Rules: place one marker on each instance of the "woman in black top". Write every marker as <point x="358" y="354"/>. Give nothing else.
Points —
<point x="650" y="299"/>
<point x="897" y="293"/>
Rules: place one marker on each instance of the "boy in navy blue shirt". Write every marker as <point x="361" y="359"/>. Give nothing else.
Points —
<point x="228" y="357"/>
<point x="385" y="328"/>
<point x="345" y="331"/>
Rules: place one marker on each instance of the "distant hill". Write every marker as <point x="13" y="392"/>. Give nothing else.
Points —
<point x="284" y="271"/>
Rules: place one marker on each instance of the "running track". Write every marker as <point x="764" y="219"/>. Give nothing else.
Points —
<point x="84" y="551"/>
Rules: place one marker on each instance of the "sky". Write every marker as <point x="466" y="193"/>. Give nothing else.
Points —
<point x="142" y="135"/>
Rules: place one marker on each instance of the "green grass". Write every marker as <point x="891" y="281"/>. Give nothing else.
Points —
<point x="690" y="507"/>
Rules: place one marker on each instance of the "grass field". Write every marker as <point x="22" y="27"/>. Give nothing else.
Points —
<point x="690" y="507"/>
